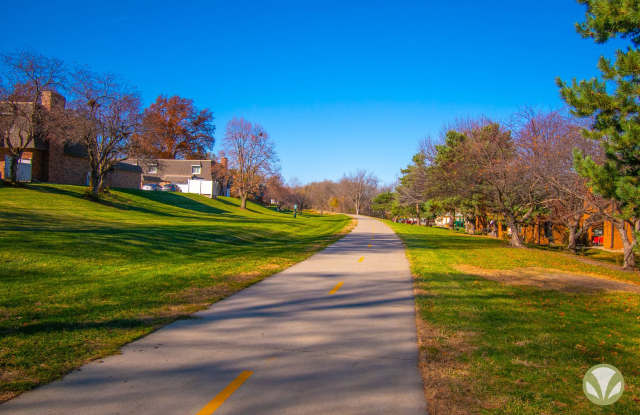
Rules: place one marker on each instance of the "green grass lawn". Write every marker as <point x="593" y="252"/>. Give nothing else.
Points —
<point x="78" y="279"/>
<point x="595" y="253"/>
<point x="492" y="348"/>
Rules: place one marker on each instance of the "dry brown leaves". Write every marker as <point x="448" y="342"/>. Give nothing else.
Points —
<point x="550" y="279"/>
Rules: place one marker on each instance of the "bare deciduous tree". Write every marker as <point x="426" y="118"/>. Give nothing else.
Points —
<point x="547" y="141"/>
<point x="251" y="156"/>
<point x="322" y="194"/>
<point x="359" y="187"/>
<point x="277" y="191"/>
<point x="24" y="117"/>
<point x="106" y="114"/>
<point x="300" y="194"/>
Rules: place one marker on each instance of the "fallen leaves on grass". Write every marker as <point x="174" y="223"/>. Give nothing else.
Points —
<point x="550" y="279"/>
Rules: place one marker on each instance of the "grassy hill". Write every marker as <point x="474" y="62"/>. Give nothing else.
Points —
<point x="78" y="279"/>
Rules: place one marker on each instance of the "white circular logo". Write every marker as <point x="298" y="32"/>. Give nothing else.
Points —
<point x="603" y="384"/>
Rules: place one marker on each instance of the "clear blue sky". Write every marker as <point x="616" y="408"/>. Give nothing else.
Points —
<point x="339" y="85"/>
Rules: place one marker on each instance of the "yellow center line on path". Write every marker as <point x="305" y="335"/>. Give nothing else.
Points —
<point x="225" y="393"/>
<point x="361" y="259"/>
<point x="336" y="288"/>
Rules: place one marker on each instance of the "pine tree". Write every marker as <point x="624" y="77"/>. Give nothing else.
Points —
<point x="411" y="190"/>
<point x="613" y="103"/>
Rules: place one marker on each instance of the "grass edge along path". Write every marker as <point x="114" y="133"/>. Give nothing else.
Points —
<point x="80" y="279"/>
<point x="493" y="348"/>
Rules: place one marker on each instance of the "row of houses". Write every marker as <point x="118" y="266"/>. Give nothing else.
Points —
<point x="542" y="232"/>
<point x="65" y="162"/>
<point x="602" y="234"/>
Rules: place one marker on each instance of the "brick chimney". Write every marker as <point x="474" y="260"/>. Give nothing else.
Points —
<point x="224" y="162"/>
<point x="51" y="99"/>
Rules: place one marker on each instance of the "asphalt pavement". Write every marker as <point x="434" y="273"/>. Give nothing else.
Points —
<point x="334" y="334"/>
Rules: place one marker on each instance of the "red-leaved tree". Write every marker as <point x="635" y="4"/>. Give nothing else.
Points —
<point x="173" y="128"/>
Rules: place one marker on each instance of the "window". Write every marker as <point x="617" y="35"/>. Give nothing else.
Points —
<point x="196" y="169"/>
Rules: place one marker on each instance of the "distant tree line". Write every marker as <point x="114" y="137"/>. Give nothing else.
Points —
<point x="353" y="193"/>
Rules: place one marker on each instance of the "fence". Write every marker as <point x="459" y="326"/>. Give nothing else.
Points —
<point x="201" y="187"/>
<point x="24" y="169"/>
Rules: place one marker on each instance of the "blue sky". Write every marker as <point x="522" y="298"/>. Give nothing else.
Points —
<point x="339" y="85"/>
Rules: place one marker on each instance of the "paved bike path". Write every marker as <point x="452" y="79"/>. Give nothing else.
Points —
<point x="298" y="342"/>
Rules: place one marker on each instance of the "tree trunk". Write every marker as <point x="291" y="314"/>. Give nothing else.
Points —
<point x="516" y="240"/>
<point x="627" y="245"/>
<point x="471" y="228"/>
<point x="482" y="220"/>
<point x="452" y="224"/>
<point x="573" y="236"/>
<point x="13" y="169"/>
<point x="96" y="183"/>
<point x="418" y="213"/>
<point x="243" y="201"/>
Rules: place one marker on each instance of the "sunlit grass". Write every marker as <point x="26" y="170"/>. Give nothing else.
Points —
<point x="78" y="279"/>
<point x="525" y="350"/>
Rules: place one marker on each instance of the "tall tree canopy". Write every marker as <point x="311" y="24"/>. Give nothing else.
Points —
<point x="479" y="169"/>
<point x="173" y="128"/>
<point x="613" y="103"/>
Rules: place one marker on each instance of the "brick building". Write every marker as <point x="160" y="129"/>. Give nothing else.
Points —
<point x="57" y="160"/>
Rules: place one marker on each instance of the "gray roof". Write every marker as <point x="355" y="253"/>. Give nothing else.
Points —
<point x="171" y="170"/>
<point x="127" y="167"/>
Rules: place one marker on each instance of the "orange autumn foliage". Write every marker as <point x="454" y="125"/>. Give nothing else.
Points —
<point x="173" y="128"/>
